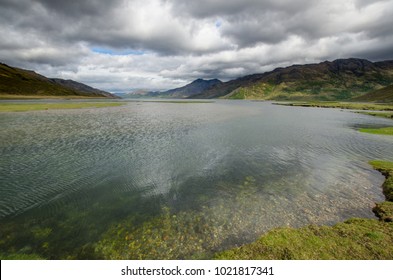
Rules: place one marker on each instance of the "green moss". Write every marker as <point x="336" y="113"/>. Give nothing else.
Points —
<point x="353" y="239"/>
<point x="383" y="166"/>
<point x="382" y="131"/>
<point x="23" y="107"/>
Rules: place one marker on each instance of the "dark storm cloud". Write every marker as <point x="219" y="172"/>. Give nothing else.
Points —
<point x="229" y="8"/>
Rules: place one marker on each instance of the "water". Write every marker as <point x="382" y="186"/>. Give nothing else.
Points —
<point x="72" y="179"/>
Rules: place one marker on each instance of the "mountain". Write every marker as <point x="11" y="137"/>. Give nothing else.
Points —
<point x="194" y="88"/>
<point x="20" y="82"/>
<point x="138" y="93"/>
<point x="340" y="79"/>
<point x="82" y="87"/>
<point x="383" y="95"/>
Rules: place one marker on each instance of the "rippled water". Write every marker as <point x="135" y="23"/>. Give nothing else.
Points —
<point x="84" y="171"/>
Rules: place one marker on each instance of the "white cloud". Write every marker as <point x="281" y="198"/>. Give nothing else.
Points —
<point x="161" y="44"/>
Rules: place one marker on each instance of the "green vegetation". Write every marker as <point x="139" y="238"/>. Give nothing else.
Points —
<point x="384" y="211"/>
<point x="354" y="106"/>
<point x="386" y="168"/>
<point x="382" y="130"/>
<point x="238" y="94"/>
<point x="258" y="91"/>
<point x="381" y="95"/>
<point x="16" y="83"/>
<point x="382" y="166"/>
<point x="23" y="107"/>
<point x="342" y="79"/>
<point x="342" y="105"/>
<point x="352" y="239"/>
<point x="26" y="97"/>
<point x="378" y="114"/>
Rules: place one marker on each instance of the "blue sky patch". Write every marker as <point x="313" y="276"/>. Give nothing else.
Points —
<point x="117" y="52"/>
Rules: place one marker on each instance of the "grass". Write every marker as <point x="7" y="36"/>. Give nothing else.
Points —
<point x="381" y="131"/>
<point x="27" y="97"/>
<point x="386" y="168"/>
<point x="342" y="105"/>
<point x="353" y="239"/>
<point x="383" y="166"/>
<point x="23" y="107"/>
<point x="388" y="115"/>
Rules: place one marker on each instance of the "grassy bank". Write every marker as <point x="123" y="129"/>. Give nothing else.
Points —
<point x="355" y="106"/>
<point x="353" y="239"/>
<point x="23" y="107"/>
<point x="381" y="131"/>
<point x="342" y="105"/>
<point x="388" y="115"/>
<point x="27" y="97"/>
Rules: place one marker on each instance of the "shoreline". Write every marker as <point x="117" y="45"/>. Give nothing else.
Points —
<point x="355" y="238"/>
<point x="28" y="107"/>
<point x="39" y="97"/>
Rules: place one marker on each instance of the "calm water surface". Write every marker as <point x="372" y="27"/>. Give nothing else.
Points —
<point x="69" y="177"/>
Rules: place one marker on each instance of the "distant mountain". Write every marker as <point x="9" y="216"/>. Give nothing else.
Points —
<point x="15" y="81"/>
<point x="189" y="90"/>
<point x="382" y="95"/>
<point x="139" y="93"/>
<point x="340" y="79"/>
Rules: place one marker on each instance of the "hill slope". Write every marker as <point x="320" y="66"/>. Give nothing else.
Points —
<point x="381" y="95"/>
<point x="19" y="82"/>
<point x="337" y="80"/>
<point x="194" y="88"/>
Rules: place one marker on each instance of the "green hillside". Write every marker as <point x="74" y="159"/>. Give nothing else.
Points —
<point x="381" y="95"/>
<point x="342" y="79"/>
<point x="16" y="82"/>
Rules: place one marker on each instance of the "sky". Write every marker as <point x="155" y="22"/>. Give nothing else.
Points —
<point x="120" y="45"/>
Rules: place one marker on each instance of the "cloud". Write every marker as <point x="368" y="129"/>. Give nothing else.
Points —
<point x="158" y="44"/>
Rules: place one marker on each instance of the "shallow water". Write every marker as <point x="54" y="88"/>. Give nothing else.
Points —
<point x="79" y="173"/>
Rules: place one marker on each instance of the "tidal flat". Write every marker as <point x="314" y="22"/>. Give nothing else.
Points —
<point x="169" y="181"/>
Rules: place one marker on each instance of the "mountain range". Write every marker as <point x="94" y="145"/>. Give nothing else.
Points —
<point x="16" y="82"/>
<point x="194" y="88"/>
<point x="341" y="79"/>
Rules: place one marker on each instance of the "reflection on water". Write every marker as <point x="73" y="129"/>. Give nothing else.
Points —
<point x="82" y="183"/>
